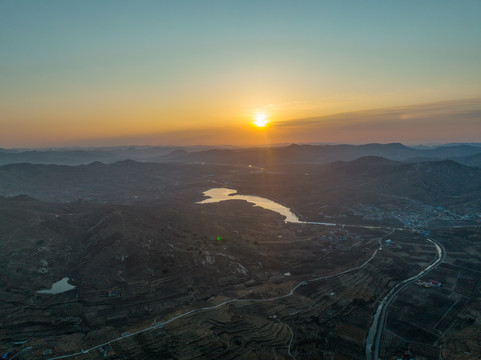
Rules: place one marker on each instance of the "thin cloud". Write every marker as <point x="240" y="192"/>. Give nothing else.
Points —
<point x="454" y="111"/>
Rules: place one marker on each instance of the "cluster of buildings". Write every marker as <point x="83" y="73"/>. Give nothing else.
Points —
<point x="339" y="235"/>
<point x="113" y="293"/>
<point x="415" y="216"/>
<point x="104" y="350"/>
<point x="429" y="283"/>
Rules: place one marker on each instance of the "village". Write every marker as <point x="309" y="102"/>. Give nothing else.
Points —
<point x="416" y="215"/>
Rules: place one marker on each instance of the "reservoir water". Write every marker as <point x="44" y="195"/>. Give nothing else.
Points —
<point x="59" y="287"/>
<point x="224" y="194"/>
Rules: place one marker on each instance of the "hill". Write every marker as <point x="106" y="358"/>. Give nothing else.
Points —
<point x="321" y="154"/>
<point x="259" y="156"/>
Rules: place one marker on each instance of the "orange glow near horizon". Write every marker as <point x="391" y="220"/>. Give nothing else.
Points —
<point x="236" y="126"/>
<point x="100" y="80"/>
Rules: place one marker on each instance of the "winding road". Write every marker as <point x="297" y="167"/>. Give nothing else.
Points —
<point x="237" y="300"/>
<point x="374" y="335"/>
<point x="373" y="339"/>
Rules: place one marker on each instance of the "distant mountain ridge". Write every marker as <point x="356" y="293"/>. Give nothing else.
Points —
<point x="322" y="154"/>
<point x="81" y="156"/>
<point x="467" y="154"/>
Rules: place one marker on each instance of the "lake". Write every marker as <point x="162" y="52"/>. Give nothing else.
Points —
<point x="225" y="194"/>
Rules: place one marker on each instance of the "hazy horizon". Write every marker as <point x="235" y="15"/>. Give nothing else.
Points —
<point x="85" y="73"/>
<point x="229" y="146"/>
<point x="428" y="119"/>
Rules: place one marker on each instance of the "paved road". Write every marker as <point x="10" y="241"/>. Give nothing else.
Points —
<point x="290" y="293"/>
<point x="377" y="327"/>
<point x="290" y="343"/>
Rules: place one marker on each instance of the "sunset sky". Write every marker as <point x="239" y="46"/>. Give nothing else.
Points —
<point x="196" y="72"/>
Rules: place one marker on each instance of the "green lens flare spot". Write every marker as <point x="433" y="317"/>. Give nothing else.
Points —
<point x="218" y="238"/>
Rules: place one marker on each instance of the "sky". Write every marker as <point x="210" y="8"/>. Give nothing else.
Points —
<point x="93" y="73"/>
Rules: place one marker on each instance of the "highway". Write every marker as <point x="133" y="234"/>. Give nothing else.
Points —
<point x="373" y="339"/>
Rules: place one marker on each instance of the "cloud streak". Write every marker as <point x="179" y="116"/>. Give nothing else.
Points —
<point x="466" y="110"/>
<point x="447" y="121"/>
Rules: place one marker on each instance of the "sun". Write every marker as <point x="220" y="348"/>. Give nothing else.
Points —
<point x="260" y="119"/>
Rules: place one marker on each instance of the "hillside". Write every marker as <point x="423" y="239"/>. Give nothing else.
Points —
<point x="261" y="156"/>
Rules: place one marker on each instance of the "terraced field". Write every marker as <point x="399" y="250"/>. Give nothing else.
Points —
<point x="268" y="291"/>
<point x="326" y="316"/>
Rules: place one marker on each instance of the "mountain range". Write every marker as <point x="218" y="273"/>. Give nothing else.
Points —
<point x="323" y="154"/>
<point x="467" y="154"/>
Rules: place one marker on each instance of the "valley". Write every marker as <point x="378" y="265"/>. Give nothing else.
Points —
<point x="158" y="275"/>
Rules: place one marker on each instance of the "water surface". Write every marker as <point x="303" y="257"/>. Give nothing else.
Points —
<point x="224" y="194"/>
<point x="59" y="287"/>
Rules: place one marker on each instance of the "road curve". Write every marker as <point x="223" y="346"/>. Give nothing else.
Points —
<point x="377" y="327"/>
<point x="290" y="293"/>
<point x="290" y="343"/>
